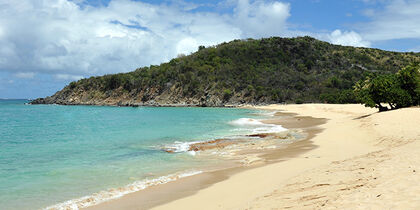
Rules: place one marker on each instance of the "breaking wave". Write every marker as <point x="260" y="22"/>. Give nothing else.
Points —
<point x="115" y="193"/>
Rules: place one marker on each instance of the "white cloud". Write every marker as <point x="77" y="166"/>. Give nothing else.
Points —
<point x="67" y="77"/>
<point x="347" y="38"/>
<point x="58" y="37"/>
<point x="261" y="19"/>
<point x="398" y="20"/>
<point x="186" y="45"/>
<point x="1" y="32"/>
<point x="25" y="75"/>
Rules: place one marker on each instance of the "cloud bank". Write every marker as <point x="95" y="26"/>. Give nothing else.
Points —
<point x="399" y="19"/>
<point x="64" y="39"/>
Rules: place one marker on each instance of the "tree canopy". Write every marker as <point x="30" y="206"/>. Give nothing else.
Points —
<point x="394" y="90"/>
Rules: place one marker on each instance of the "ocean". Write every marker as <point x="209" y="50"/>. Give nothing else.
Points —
<point x="60" y="155"/>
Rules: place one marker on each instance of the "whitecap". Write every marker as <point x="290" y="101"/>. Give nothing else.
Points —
<point x="246" y="122"/>
<point x="257" y="126"/>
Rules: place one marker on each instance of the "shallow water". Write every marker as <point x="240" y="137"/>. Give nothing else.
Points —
<point x="50" y="153"/>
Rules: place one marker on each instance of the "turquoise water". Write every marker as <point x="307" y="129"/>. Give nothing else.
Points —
<point x="50" y="154"/>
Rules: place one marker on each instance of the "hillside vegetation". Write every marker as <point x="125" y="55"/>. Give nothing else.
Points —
<point x="270" y="70"/>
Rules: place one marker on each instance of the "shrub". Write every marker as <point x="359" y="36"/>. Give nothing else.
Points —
<point x="299" y="101"/>
<point x="227" y="94"/>
<point x="409" y="80"/>
<point x="397" y="90"/>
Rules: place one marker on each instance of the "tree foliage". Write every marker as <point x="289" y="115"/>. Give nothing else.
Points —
<point x="395" y="90"/>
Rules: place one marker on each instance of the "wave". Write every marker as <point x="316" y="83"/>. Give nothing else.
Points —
<point x="180" y="146"/>
<point x="267" y="113"/>
<point x="246" y="122"/>
<point x="256" y="126"/>
<point x="115" y="193"/>
<point x="245" y="126"/>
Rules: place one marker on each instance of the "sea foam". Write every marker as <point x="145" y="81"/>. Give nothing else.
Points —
<point x="246" y="122"/>
<point x="115" y="193"/>
<point x="180" y="146"/>
<point x="247" y="125"/>
<point x="256" y="126"/>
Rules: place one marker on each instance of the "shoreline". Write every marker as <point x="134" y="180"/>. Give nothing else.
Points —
<point x="241" y="150"/>
<point x="361" y="159"/>
<point x="356" y="158"/>
<point x="164" y="193"/>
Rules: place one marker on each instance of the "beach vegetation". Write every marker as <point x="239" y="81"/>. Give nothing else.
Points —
<point x="390" y="91"/>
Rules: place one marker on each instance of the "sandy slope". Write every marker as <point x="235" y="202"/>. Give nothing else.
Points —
<point x="363" y="159"/>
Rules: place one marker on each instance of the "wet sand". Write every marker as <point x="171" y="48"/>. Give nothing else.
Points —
<point x="161" y="194"/>
<point x="355" y="158"/>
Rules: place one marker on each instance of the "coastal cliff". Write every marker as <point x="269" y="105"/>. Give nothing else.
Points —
<point x="271" y="70"/>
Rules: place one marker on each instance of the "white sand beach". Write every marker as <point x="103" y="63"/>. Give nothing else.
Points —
<point x="363" y="160"/>
<point x="358" y="159"/>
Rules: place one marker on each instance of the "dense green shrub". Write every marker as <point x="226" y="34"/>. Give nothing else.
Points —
<point x="227" y="94"/>
<point x="397" y="90"/>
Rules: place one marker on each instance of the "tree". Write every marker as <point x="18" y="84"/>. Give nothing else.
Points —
<point x="372" y="91"/>
<point x="397" y="90"/>
<point x="409" y="80"/>
<point x="398" y="98"/>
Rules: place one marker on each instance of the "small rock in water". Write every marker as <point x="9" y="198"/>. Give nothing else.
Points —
<point x="260" y="135"/>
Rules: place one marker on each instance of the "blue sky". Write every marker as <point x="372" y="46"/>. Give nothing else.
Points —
<point x="45" y="44"/>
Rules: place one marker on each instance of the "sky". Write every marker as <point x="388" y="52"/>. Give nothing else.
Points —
<point x="45" y="44"/>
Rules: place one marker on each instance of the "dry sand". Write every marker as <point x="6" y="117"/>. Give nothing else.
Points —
<point x="359" y="159"/>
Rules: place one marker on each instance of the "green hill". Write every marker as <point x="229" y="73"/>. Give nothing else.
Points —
<point x="271" y="70"/>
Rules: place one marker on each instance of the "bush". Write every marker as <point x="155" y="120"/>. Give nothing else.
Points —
<point x="72" y="85"/>
<point x="397" y="90"/>
<point x="112" y="82"/>
<point x="330" y="98"/>
<point x="347" y="97"/>
<point x="299" y="101"/>
<point x="399" y="98"/>
<point x="227" y="94"/>
<point x="339" y="97"/>
<point x="409" y="80"/>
